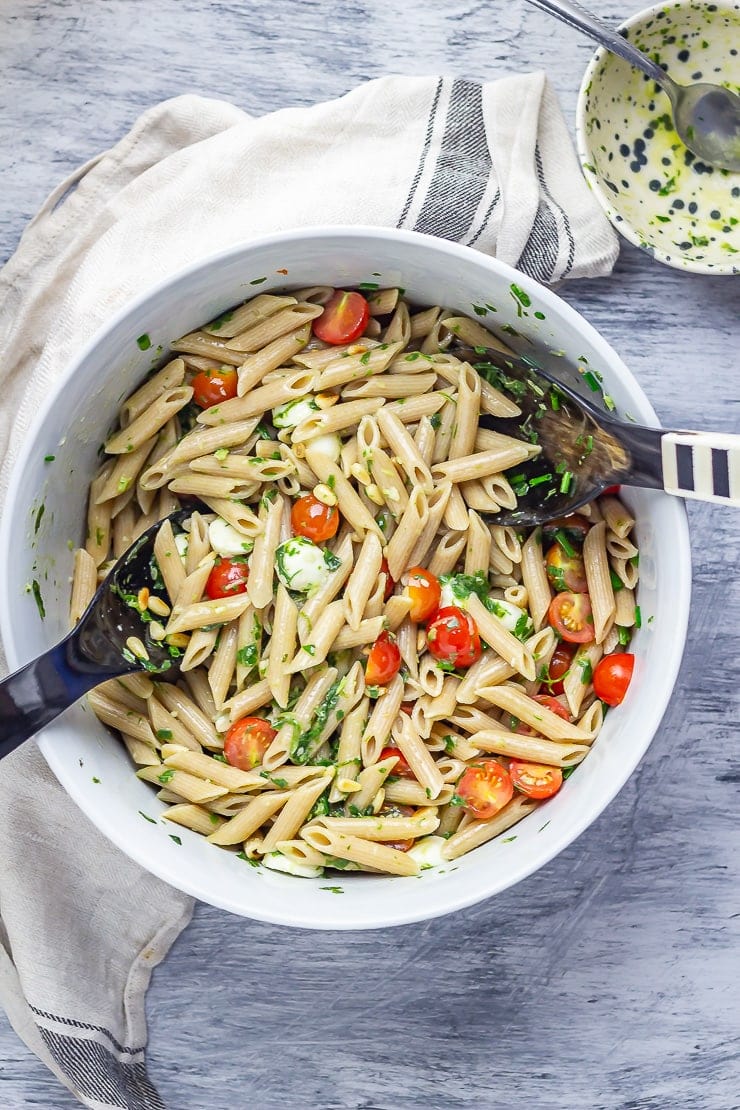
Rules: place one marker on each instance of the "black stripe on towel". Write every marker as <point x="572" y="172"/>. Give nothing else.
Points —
<point x="463" y="167"/>
<point x="97" y="1074"/>
<point x="560" y="209"/>
<point x="424" y="154"/>
<point x="720" y="473"/>
<point x="685" y="466"/>
<point x="540" y="256"/>
<point x="486" y="218"/>
<point x="87" y="1028"/>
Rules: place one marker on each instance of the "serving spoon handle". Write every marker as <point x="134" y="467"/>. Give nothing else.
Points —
<point x="704" y="466"/>
<point x="35" y="695"/>
<point x="570" y="12"/>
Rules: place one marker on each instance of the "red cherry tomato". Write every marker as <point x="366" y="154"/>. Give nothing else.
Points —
<point x="571" y="617"/>
<point x="313" y="519"/>
<point x="401" y="769"/>
<point x="212" y="386"/>
<point x="344" y="318"/>
<point x="550" y="703"/>
<point x="424" y="590"/>
<point x="453" y="637"/>
<point x="227" y="578"/>
<point x="560" y="663"/>
<point x="247" y="741"/>
<point x="566" y="572"/>
<point x="383" y="662"/>
<point x="612" y="676"/>
<point x="536" y="780"/>
<point x="485" y="788"/>
<point x="611" y="491"/>
<point x="389" y="583"/>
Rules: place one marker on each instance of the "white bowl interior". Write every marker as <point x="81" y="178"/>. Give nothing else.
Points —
<point x="652" y="188"/>
<point x="96" y="770"/>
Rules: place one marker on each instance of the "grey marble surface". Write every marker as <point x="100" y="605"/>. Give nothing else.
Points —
<point x="608" y="979"/>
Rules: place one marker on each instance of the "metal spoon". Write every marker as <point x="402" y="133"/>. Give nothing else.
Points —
<point x="94" y="651"/>
<point x="706" y="117"/>
<point x="585" y="449"/>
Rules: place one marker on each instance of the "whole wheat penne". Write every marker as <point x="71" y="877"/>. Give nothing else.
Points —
<point x="264" y="331"/>
<point x="277" y="353"/>
<point x="410" y="527"/>
<point x="84" y="583"/>
<point x="392" y="473"/>
<point x="148" y="423"/>
<point x="247" y="315"/>
<point x="513" y="700"/>
<point x="365" y="852"/>
<point x="600" y="589"/>
<point x="480" y="832"/>
<point x="495" y="633"/>
<point x="533" y="749"/>
<point x="363" y="580"/>
<point x="418" y="758"/>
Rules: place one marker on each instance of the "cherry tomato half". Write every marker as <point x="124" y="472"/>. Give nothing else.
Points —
<point x="247" y="741"/>
<point x="536" y="780"/>
<point x="212" y="386"/>
<point x="344" y="318"/>
<point x="571" y="617"/>
<point x="383" y="662"/>
<point x="453" y="637"/>
<point x="227" y="577"/>
<point x="424" y="590"/>
<point x="401" y="769"/>
<point x="485" y="788"/>
<point x="560" y="663"/>
<point x="390" y="585"/>
<point x="612" y="676"/>
<point x="313" y="519"/>
<point x="566" y="572"/>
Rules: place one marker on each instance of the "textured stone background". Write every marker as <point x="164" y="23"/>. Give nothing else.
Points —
<point x="608" y="980"/>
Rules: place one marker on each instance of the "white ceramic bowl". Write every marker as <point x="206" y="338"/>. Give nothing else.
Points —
<point x="654" y="191"/>
<point x="76" y="418"/>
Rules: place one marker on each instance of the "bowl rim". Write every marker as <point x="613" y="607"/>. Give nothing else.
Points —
<point x="436" y="904"/>
<point x="593" y="179"/>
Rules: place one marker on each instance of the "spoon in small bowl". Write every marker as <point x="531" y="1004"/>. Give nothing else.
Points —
<point x="584" y="450"/>
<point x="104" y="644"/>
<point x="706" y="116"/>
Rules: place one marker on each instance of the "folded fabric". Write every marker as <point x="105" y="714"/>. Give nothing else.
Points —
<point x="491" y="166"/>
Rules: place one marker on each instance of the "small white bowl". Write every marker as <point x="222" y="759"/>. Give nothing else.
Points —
<point x="654" y="191"/>
<point x="95" y="768"/>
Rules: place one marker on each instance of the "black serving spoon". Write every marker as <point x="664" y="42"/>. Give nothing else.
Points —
<point x="95" y="650"/>
<point x="585" y="449"/>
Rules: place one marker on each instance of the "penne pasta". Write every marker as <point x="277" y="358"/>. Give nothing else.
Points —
<point x="327" y="703"/>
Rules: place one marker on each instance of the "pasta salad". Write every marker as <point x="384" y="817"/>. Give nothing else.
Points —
<point x="374" y="675"/>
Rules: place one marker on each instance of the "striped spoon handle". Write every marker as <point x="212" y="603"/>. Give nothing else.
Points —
<point x="702" y="465"/>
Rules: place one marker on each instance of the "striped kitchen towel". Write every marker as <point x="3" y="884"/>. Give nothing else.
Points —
<point x="488" y="165"/>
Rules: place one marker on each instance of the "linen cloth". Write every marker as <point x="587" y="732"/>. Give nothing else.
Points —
<point x="492" y="166"/>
